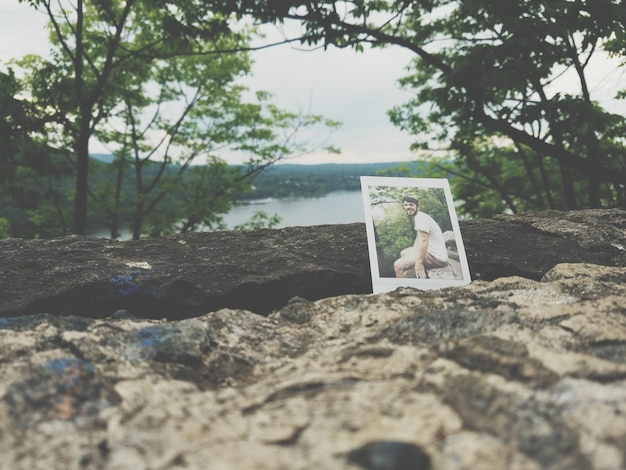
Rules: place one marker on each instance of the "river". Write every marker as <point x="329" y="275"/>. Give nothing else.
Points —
<point x="339" y="207"/>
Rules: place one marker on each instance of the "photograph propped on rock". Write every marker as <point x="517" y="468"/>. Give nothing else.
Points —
<point x="413" y="234"/>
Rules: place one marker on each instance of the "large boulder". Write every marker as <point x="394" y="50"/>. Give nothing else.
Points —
<point x="531" y="244"/>
<point x="182" y="276"/>
<point x="186" y="275"/>
<point x="520" y="372"/>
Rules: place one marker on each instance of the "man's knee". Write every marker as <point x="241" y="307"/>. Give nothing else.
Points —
<point x="400" y="266"/>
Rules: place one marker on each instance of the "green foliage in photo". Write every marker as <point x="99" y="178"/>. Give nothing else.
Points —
<point x="394" y="229"/>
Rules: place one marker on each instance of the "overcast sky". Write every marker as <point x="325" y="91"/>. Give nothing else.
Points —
<point x="356" y="89"/>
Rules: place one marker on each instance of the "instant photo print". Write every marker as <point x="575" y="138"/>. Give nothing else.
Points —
<point x="413" y="234"/>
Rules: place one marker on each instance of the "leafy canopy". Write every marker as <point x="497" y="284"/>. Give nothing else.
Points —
<point x="501" y="87"/>
<point x="157" y="82"/>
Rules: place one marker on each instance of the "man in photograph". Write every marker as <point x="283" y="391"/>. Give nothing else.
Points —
<point x="429" y="250"/>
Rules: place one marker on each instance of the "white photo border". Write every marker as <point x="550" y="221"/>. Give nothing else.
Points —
<point x="386" y="284"/>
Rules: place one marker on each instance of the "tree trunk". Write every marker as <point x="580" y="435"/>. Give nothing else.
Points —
<point x="530" y="172"/>
<point x="138" y="221"/>
<point x="82" y="183"/>
<point x="567" y="180"/>
<point x="115" y="217"/>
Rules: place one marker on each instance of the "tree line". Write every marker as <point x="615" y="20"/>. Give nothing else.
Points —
<point x="282" y="181"/>
<point x="502" y="98"/>
<point x="293" y="181"/>
<point x="157" y="81"/>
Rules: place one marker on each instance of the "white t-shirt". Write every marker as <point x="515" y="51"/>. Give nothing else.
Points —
<point x="436" y="242"/>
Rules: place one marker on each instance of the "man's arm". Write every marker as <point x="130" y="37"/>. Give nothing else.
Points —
<point x="421" y="244"/>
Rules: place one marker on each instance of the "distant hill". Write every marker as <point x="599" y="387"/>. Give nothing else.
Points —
<point x="103" y="157"/>
<point x="287" y="180"/>
<point x="298" y="167"/>
<point x="293" y="180"/>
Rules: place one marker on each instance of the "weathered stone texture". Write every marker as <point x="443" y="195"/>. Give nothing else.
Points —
<point x="514" y="372"/>
<point x="183" y="275"/>
<point x="260" y="271"/>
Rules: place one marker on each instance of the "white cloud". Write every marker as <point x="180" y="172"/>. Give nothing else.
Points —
<point x="22" y="30"/>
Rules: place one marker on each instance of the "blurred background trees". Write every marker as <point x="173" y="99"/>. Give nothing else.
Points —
<point x="503" y="102"/>
<point x="156" y="82"/>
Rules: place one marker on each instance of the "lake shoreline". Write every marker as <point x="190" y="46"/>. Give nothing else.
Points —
<point x="335" y="207"/>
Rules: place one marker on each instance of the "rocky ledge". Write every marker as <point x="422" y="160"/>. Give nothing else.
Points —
<point x="264" y="350"/>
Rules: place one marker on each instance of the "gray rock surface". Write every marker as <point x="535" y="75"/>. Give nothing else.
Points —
<point x="531" y="244"/>
<point x="182" y="276"/>
<point x="512" y="372"/>
<point x="260" y="271"/>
